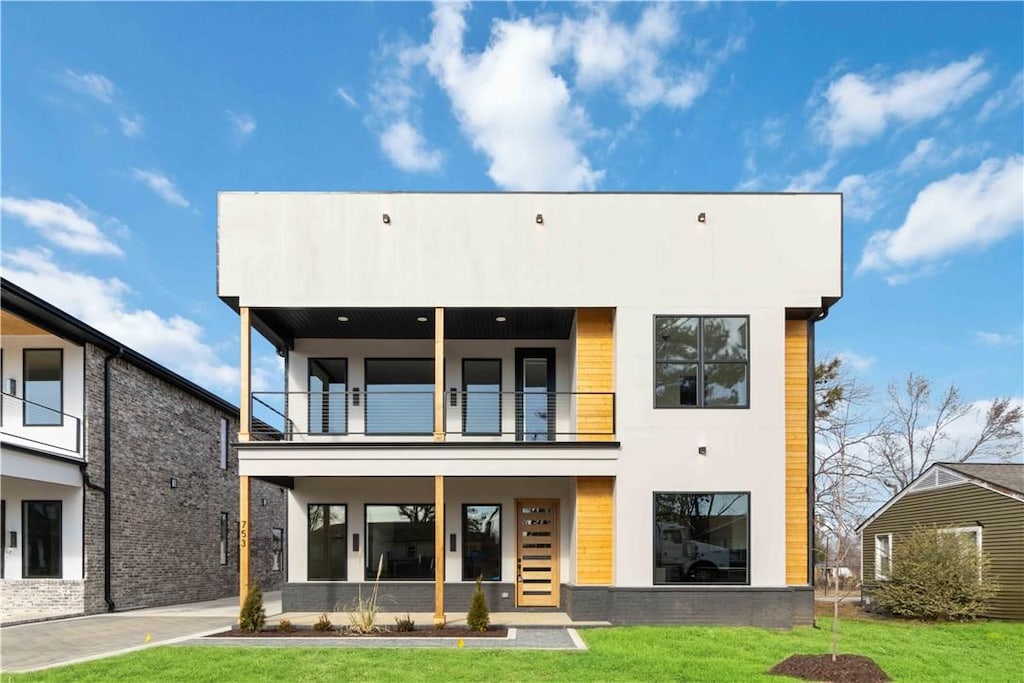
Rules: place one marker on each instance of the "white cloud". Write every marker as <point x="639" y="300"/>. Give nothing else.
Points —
<point x="861" y="194"/>
<point x="162" y="185"/>
<point x="345" y="97"/>
<point x="810" y="180"/>
<point x="243" y="124"/>
<point x="996" y="339"/>
<point x="407" y="149"/>
<point x="856" y="361"/>
<point x="511" y="103"/>
<point x="174" y="341"/>
<point x="96" y="86"/>
<point x="131" y="126"/>
<point x="61" y="225"/>
<point x="1009" y="98"/>
<point x="925" y="153"/>
<point x="857" y="108"/>
<point x="963" y="211"/>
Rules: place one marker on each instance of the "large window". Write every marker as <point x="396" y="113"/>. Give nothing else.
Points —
<point x="481" y="396"/>
<point x="701" y="538"/>
<point x="41" y="534"/>
<point x="481" y="542"/>
<point x="400" y="541"/>
<point x="883" y="556"/>
<point x="328" y="400"/>
<point x="44" y="392"/>
<point x="223" y="538"/>
<point x="223" y="443"/>
<point x="400" y="396"/>
<point x="701" y="362"/>
<point x="328" y="529"/>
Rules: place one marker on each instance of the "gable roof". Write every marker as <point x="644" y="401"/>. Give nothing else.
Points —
<point x="1005" y="479"/>
<point x="1010" y="477"/>
<point x="47" y="316"/>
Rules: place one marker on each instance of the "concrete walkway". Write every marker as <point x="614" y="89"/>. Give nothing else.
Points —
<point x="54" y="643"/>
<point x="29" y="647"/>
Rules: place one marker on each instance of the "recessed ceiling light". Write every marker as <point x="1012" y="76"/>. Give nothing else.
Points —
<point x="422" y="319"/>
<point x="343" y="318"/>
<point x="501" y="319"/>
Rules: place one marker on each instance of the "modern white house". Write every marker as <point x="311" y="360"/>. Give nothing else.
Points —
<point x="598" y="403"/>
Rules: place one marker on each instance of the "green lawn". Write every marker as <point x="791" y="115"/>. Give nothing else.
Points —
<point x="906" y="651"/>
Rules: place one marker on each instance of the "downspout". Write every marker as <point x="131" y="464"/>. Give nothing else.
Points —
<point x="107" y="450"/>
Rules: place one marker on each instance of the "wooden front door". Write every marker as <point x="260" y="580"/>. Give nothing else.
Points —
<point x="537" y="571"/>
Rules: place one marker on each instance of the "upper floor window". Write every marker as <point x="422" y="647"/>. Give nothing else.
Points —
<point x="328" y="398"/>
<point x="223" y="443"/>
<point x="44" y="386"/>
<point x="399" y="396"/>
<point x="701" y="362"/>
<point x="481" y="396"/>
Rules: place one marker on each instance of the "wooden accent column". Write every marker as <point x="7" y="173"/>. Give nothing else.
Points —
<point x="797" y="419"/>
<point x="439" y="617"/>
<point x="595" y="530"/>
<point x="245" y="369"/>
<point x="439" y="425"/>
<point x="243" y="538"/>
<point x="244" y="421"/>
<point x="595" y="372"/>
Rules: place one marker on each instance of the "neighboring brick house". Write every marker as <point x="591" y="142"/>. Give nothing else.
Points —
<point x="984" y="502"/>
<point x="598" y="403"/>
<point x="172" y="520"/>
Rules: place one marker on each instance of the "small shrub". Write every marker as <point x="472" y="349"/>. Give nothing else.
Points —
<point x="937" y="575"/>
<point x="362" y="614"/>
<point x="479" y="617"/>
<point x="322" y="623"/>
<point x="404" y="624"/>
<point x="252" y="617"/>
<point x="285" y="626"/>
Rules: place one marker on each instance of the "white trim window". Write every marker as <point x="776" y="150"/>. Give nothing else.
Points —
<point x="972" y="535"/>
<point x="883" y="557"/>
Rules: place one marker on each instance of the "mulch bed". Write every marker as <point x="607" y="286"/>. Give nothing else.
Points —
<point x="846" y="669"/>
<point x="335" y="632"/>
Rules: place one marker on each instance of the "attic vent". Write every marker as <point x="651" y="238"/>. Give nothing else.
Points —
<point x="935" y="479"/>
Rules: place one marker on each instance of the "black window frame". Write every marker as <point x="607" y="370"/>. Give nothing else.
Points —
<point x="25" y="539"/>
<point x="309" y="396"/>
<point x="223" y="438"/>
<point x="465" y="397"/>
<point x="368" y="397"/>
<point x="369" y="566"/>
<point x="332" y="576"/>
<point x="225" y="540"/>
<point x="277" y="548"/>
<point x="654" y="538"/>
<point x="24" y="391"/>
<point x="700" y="362"/>
<point x="465" y="536"/>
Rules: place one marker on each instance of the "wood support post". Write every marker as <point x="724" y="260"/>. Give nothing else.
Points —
<point x="439" y="426"/>
<point x="245" y="370"/>
<point x="243" y="538"/>
<point x="439" y="617"/>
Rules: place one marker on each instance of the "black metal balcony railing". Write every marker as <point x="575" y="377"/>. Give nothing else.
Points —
<point x="488" y="415"/>
<point x="28" y="422"/>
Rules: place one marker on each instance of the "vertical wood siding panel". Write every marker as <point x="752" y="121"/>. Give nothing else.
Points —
<point x="796" y="451"/>
<point x="594" y="530"/>
<point x="595" y="354"/>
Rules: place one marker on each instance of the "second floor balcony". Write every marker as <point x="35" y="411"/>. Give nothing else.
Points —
<point x="35" y="426"/>
<point x="529" y="416"/>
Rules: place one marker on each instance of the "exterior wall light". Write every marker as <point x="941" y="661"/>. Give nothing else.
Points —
<point x="702" y="217"/>
<point x="174" y="482"/>
<point x="13" y="542"/>
<point x="355" y="543"/>
<point x="702" y="450"/>
<point x="387" y="219"/>
<point x="12" y="386"/>
<point x="540" y="219"/>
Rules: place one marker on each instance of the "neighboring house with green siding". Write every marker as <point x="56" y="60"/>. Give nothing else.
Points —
<point x="982" y="501"/>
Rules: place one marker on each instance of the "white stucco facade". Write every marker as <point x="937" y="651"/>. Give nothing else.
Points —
<point x="761" y="257"/>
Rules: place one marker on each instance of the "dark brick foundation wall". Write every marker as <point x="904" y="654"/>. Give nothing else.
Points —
<point x="707" y="605"/>
<point x="397" y="596"/>
<point x="726" y="605"/>
<point x="166" y="542"/>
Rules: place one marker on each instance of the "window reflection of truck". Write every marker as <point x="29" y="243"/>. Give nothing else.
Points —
<point x="693" y="560"/>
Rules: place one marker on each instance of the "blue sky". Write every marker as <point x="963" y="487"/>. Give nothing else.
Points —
<point x="121" y="122"/>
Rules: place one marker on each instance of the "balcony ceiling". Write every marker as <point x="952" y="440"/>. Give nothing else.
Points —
<point x="288" y="324"/>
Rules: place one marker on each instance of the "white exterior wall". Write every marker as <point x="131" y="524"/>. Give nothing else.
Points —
<point x="643" y="255"/>
<point x="53" y="439"/>
<point x="356" y="492"/>
<point x="16" y="490"/>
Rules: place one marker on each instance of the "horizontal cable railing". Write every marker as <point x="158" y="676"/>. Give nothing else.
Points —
<point x="504" y="415"/>
<point x="36" y="424"/>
